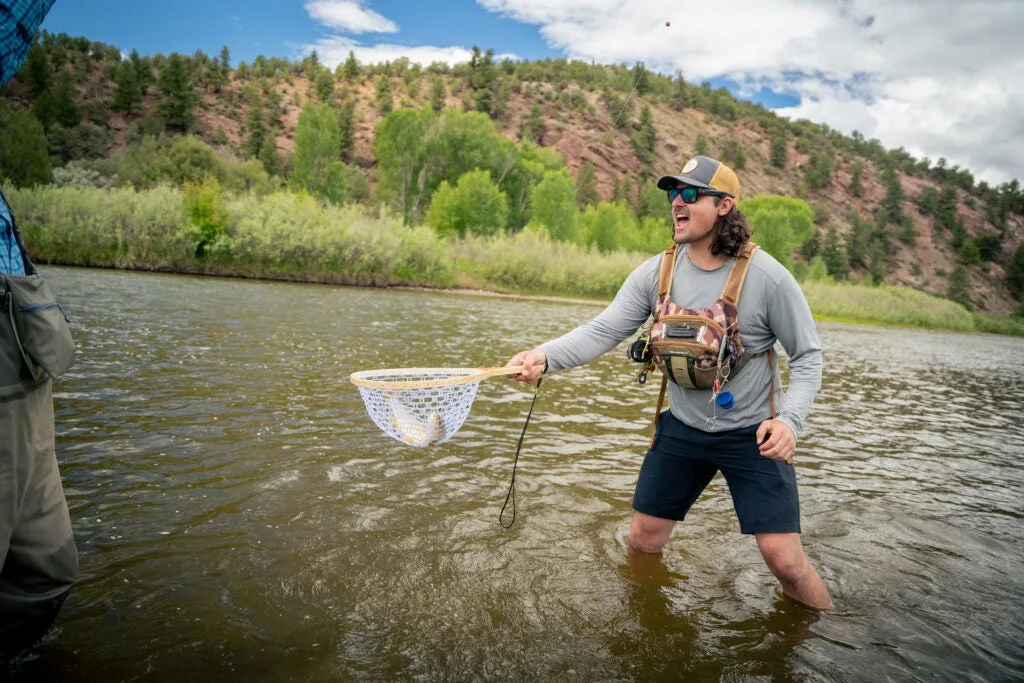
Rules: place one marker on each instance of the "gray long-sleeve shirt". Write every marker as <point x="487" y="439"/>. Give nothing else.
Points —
<point x="771" y="307"/>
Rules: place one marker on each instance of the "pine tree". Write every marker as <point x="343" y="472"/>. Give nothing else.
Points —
<point x="907" y="233"/>
<point x="734" y="154"/>
<point x="127" y="94"/>
<point x="812" y="247"/>
<point x="255" y="125"/>
<point x="959" y="289"/>
<point x="24" y="160"/>
<point x="384" y="101"/>
<point x="778" y="151"/>
<point x="532" y="127"/>
<point x="66" y="111"/>
<point x="1015" y="273"/>
<point x="891" y="212"/>
<point x="36" y="71"/>
<point x="855" y="182"/>
<point x="877" y="265"/>
<point x="679" y="92"/>
<point x="946" y="210"/>
<point x="225" y="62"/>
<point x="858" y="241"/>
<point x="622" y="191"/>
<point x="220" y="71"/>
<point x="143" y="70"/>
<point x="700" y="146"/>
<point x="640" y="79"/>
<point x="180" y="98"/>
<point x="437" y="93"/>
<point x="268" y="156"/>
<point x="324" y="85"/>
<point x="832" y="253"/>
<point x="347" y="128"/>
<point x="483" y="80"/>
<point x="645" y="138"/>
<point x="818" y="170"/>
<point x="351" y="68"/>
<point x="586" y="186"/>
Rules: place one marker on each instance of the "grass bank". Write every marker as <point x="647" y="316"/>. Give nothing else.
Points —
<point x="295" y="237"/>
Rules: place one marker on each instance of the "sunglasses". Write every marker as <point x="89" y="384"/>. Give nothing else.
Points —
<point x="690" y="194"/>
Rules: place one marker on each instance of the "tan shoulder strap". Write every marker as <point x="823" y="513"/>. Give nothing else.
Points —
<point x="734" y="285"/>
<point x="668" y="263"/>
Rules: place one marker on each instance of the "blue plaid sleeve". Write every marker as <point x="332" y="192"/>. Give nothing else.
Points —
<point x="19" y="20"/>
<point x="11" y="262"/>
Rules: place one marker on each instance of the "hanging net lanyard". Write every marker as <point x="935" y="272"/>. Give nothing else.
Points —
<point x="511" y="495"/>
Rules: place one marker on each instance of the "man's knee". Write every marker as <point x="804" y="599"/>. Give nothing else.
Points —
<point x="783" y="553"/>
<point x="648" y="534"/>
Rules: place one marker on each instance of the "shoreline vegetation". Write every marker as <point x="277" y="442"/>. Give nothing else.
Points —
<point x="293" y="236"/>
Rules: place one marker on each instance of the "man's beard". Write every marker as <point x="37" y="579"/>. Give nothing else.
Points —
<point x="690" y="239"/>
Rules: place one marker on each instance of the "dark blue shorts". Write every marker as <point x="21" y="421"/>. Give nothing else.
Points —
<point x="683" y="460"/>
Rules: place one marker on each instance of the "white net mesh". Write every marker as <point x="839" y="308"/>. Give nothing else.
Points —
<point x="418" y="416"/>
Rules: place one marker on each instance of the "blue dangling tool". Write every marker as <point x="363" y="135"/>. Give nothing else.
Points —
<point x="725" y="400"/>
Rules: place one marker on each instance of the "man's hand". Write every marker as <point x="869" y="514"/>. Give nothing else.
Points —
<point x="533" y="361"/>
<point x="776" y="440"/>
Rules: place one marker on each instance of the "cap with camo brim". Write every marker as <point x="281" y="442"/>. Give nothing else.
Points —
<point x="707" y="173"/>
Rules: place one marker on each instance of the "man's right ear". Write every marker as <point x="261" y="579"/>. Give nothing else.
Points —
<point x="726" y="205"/>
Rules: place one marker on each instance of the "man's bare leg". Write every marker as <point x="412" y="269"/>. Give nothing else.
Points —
<point x="785" y="557"/>
<point x="648" y="534"/>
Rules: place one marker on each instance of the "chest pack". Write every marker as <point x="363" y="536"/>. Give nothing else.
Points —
<point x="694" y="347"/>
<point x="701" y="348"/>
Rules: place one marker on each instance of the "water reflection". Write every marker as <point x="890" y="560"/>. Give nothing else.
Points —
<point x="241" y="518"/>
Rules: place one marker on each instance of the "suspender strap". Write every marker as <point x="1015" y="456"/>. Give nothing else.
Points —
<point x="734" y="285"/>
<point x="657" y="411"/>
<point x="668" y="269"/>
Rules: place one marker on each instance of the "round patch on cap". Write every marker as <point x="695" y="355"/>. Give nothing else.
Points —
<point x="690" y="165"/>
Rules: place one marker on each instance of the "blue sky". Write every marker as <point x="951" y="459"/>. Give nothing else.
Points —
<point x="276" y="28"/>
<point x="283" y="29"/>
<point x="927" y="75"/>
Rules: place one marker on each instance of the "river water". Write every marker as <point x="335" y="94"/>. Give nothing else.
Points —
<point x="240" y="518"/>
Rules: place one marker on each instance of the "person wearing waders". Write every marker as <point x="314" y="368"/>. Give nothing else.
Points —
<point x="719" y="305"/>
<point x="38" y="559"/>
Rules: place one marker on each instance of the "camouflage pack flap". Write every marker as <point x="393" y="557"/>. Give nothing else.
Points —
<point x="689" y="345"/>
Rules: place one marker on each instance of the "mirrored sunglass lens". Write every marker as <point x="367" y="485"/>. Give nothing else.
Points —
<point x="689" y="194"/>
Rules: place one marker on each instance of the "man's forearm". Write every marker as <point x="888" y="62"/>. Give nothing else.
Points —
<point x="804" y="382"/>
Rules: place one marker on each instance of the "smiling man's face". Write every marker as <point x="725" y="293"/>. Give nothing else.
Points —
<point x="695" y="222"/>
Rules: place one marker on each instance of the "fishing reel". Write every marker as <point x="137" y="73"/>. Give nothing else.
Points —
<point x="640" y="352"/>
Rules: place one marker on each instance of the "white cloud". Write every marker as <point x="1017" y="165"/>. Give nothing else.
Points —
<point x="938" y="77"/>
<point x="334" y="50"/>
<point x="349" y="16"/>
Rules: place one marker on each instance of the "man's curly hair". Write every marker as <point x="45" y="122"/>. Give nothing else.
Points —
<point x="731" y="232"/>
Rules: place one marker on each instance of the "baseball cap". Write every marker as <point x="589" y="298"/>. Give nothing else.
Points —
<point x="704" y="172"/>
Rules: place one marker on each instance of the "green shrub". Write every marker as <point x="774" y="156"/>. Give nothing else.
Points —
<point x="779" y="224"/>
<point x="207" y="219"/>
<point x="885" y="305"/>
<point x="474" y="206"/>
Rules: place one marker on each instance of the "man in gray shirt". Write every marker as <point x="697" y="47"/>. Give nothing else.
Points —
<point x="749" y="443"/>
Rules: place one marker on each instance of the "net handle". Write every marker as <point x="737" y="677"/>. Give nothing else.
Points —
<point x="358" y="378"/>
